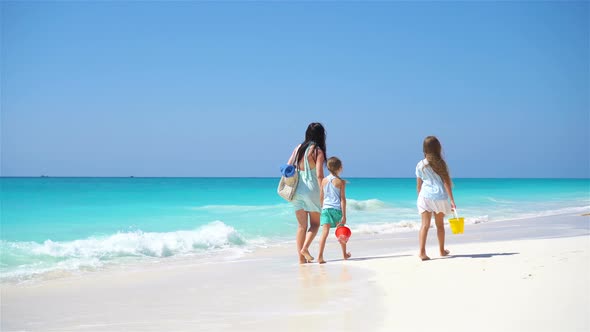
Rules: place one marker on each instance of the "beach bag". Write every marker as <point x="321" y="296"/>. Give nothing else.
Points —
<point x="288" y="184"/>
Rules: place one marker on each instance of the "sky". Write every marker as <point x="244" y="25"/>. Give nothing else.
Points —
<point x="228" y="88"/>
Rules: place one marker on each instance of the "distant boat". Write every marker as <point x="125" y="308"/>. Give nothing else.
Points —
<point x="44" y="176"/>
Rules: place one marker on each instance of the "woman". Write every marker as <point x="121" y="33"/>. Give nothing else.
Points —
<point x="311" y="155"/>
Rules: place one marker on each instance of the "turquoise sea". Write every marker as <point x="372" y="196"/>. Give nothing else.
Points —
<point x="73" y="224"/>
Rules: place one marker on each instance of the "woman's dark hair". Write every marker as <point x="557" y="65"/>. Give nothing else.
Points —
<point x="315" y="134"/>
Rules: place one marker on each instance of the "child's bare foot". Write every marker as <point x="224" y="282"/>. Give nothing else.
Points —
<point x="445" y="253"/>
<point x="321" y="260"/>
<point x="424" y="257"/>
<point x="347" y="256"/>
<point x="307" y="255"/>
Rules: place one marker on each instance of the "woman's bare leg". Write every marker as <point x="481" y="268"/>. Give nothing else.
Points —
<point x="314" y="226"/>
<point x="440" y="232"/>
<point x="426" y="216"/>
<point x="323" y="237"/>
<point x="301" y="229"/>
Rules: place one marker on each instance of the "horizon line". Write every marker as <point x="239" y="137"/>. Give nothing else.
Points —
<point x="260" y="177"/>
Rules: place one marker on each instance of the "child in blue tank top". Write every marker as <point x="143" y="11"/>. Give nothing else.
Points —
<point x="333" y="200"/>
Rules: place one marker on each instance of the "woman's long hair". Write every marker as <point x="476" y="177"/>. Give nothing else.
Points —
<point x="315" y="134"/>
<point x="433" y="153"/>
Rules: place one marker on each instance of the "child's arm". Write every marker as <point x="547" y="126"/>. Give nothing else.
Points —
<point x="343" y="201"/>
<point x="418" y="185"/>
<point x="450" y="192"/>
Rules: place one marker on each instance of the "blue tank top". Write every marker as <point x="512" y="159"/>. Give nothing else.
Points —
<point x="331" y="195"/>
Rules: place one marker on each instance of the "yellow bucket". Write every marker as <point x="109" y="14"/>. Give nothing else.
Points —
<point x="457" y="225"/>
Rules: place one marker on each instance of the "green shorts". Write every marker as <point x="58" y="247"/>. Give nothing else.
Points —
<point x="331" y="216"/>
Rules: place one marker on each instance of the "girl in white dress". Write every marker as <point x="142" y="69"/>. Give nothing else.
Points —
<point x="434" y="188"/>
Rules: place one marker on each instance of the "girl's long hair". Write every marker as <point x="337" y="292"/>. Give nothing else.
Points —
<point x="316" y="134"/>
<point x="433" y="153"/>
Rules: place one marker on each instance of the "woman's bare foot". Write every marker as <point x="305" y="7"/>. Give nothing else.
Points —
<point x="424" y="257"/>
<point x="348" y="255"/>
<point x="445" y="253"/>
<point x="307" y="255"/>
<point x="321" y="260"/>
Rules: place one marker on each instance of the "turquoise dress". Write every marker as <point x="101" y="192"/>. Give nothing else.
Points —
<point x="307" y="194"/>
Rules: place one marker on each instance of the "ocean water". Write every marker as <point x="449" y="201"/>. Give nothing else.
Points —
<point x="48" y="225"/>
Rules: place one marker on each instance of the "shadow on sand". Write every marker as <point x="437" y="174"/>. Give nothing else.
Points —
<point x="490" y="255"/>
<point x="370" y="258"/>
<point x="482" y="255"/>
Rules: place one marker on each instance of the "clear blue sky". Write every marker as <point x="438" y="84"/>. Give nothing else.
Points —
<point x="227" y="89"/>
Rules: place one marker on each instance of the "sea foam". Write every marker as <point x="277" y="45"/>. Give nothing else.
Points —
<point x="32" y="258"/>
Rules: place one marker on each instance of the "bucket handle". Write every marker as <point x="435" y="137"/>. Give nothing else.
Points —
<point x="455" y="213"/>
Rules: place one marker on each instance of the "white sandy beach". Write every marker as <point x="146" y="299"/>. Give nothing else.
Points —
<point x="524" y="275"/>
<point x="527" y="285"/>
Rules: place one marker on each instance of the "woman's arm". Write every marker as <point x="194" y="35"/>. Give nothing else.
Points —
<point x="319" y="165"/>
<point x="343" y="201"/>
<point x="450" y="192"/>
<point x="418" y="185"/>
<point x="322" y="193"/>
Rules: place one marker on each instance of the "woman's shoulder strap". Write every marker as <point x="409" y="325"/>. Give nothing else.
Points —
<point x="293" y="158"/>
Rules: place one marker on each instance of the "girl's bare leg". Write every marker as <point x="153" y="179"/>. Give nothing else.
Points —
<point x="440" y="232"/>
<point x="314" y="226"/>
<point x="426" y="216"/>
<point x="323" y="238"/>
